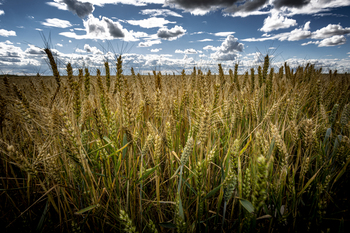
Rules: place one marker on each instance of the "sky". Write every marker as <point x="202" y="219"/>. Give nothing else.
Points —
<point x="172" y="35"/>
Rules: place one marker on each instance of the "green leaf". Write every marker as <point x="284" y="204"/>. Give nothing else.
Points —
<point x="167" y="225"/>
<point x="125" y="141"/>
<point x="87" y="209"/>
<point x="98" y="174"/>
<point x="212" y="192"/>
<point x="147" y="173"/>
<point x="247" y="205"/>
<point x="246" y="146"/>
<point x="190" y="187"/>
<point x="181" y="210"/>
<point x="342" y="171"/>
<point x="100" y="148"/>
<point x="309" y="182"/>
<point x="328" y="134"/>
<point x="117" y="151"/>
<point x="39" y="228"/>
<point x="336" y="144"/>
<point x="264" y="217"/>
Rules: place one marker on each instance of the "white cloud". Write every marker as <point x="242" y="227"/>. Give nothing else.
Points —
<point x="33" y="50"/>
<point x="150" y="22"/>
<point x="79" y="50"/>
<point x="10" y="53"/>
<point x="2" y="12"/>
<point x="39" y="29"/>
<point x="294" y="35"/>
<point x="204" y="40"/>
<point x="332" y="35"/>
<point x="277" y="21"/>
<point x="8" y="42"/>
<point x="329" y="31"/>
<point x="332" y="41"/>
<point x="149" y="43"/>
<point x="298" y="33"/>
<point x="60" y="5"/>
<point x="228" y="50"/>
<point x="210" y="47"/>
<point x="155" y="50"/>
<point x="310" y="42"/>
<point x="60" y="45"/>
<point x="315" y="6"/>
<point x="328" y="14"/>
<point x="93" y="50"/>
<point x="81" y="9"/>
<point x="223" y="33"/>
<point x="6" y="33"/>
<point x="104" y="29"/>
<point x="196" y="33"/>
<point x="160" y="12"/>
<point x="171" y="34"/>
<point x="328" y="42"/>
<point x="186" y="51"/>
<point x="59" y="23"/>
<point x="237" y="8"/>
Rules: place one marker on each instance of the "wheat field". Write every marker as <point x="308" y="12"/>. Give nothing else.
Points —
<point x="267" y="151"/>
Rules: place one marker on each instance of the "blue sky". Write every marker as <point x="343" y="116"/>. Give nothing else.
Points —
<point x="171" y="35"/>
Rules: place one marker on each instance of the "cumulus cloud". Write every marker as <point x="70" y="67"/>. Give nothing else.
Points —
<point x="186" y="51"/>
<point x="60" y="45"/>
<point x="114" y="28"/>
<point x="231" y="44"/>
<point x="171" y="34"/>
<point x="294" y="35"/>
<point x="332" y="41"/>
<point x="228" y="50"/>
<point x="9" y="53"/>
<point x="33" y="50"/>
<point x="150" y="22"/>
<point x="210" y="47"/>
<point x="149" y="43"/>
<point x="93" y="50"/>
<point x="277" y="21"/>
<point x="332" y="35"/>
<point x="2" y="12"/>
<point x="329" y="31"/>
<point x="298" y="33"/>
<point x="159" y="12"/>
<point x="103" y="29"/>
<point x="7" y="33"/>
<point x="79" y="50"/>
<point x="81" y="9"/>
<point x="59" y="23"/>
